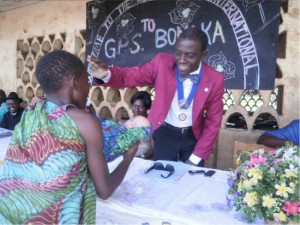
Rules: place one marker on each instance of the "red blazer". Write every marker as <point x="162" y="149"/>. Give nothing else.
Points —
<point x="160" y="73"/>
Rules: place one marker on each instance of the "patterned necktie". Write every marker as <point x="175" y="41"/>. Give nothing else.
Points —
<point x="193" y="77"/>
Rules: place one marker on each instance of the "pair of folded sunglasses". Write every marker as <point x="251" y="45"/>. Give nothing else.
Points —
<point x="159" y="166"/>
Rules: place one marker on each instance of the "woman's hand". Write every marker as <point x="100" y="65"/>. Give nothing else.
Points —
<point x="131" y="151"/>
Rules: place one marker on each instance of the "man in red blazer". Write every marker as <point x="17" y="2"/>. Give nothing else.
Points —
<point x="186" y="113"/>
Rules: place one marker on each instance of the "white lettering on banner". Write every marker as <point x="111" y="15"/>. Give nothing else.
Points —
<point x="163" y="37"/>
<point x="243" y="36"/>
<point x="118" y="11"/>
<point x="112" y="49"/>
<point x="138" y="47"/>
<point x="149" y="25"/>
<point x="218" y="32"/>
<point x="160" y="38"/>
<point x="168" y="36"/>
<point x="205" y="30"/>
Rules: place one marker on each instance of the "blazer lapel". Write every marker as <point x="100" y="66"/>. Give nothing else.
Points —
<point x="202" y="93"/>
<point x="172" y="86"/>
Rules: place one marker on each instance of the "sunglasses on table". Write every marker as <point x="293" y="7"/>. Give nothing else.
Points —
<point x="159" y="166"/>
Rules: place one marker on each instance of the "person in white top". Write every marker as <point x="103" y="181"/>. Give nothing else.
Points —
<point x="140" y="104"/>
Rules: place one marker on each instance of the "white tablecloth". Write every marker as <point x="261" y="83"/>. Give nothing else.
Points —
<point x="190" y="199"/>
<point x="4" y="141"/>
<point x="180" y="199"/>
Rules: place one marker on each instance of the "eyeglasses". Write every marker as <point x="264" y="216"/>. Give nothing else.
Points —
<point x="159" y="166"/>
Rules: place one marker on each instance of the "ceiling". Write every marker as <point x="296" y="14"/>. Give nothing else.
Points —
<point x="6" y="5"/>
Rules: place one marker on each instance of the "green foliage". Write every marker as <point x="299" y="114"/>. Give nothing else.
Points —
<point x="267" y="184"/>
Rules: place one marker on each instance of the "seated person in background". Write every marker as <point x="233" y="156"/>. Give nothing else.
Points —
<point x="119" y="137"/>
<point x="15" y="111"/>
<point x="53" y="168"/>
<point x="280" y="137"/>
<point x="3" y="108"/>
<point x="140" y="104"/>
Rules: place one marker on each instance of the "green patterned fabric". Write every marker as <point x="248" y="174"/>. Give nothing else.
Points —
<point x="44" y="178"/>
<point x="118" y="139"/>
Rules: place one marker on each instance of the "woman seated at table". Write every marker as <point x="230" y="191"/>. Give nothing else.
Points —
<point x="119" y="136"/>
<point x="140" y="104"/>
<point x="55" y="166"/>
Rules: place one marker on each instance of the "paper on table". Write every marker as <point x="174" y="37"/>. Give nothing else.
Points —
<point x="180" y="170"/>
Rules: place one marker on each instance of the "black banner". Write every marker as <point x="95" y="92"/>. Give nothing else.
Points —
<point x="242" y="34"/>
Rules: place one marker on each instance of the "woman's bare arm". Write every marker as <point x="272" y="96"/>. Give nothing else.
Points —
<point x="90" y="129"/>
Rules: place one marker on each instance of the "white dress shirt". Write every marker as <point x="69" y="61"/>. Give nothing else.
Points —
<point x="174" y="111"/>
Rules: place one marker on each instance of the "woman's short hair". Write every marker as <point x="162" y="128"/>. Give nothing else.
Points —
<point x="194" y="33"/>
<point x="144" y="96"/>
<point x="55" y="66"/>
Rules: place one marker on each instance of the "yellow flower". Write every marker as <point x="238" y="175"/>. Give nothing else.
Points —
<point x="281" y="216"/>
<point x="268" y="201"/>
<point x="291" y="172"/>
<point x="251" y="198"/>
<point x="251" y="172"/>
<point x="247" y="184"/>
<point x="282" y="190"/>
<point x="255" y="174"/>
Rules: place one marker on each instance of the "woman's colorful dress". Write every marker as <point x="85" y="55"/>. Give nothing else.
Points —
<point x="44" y="178"/>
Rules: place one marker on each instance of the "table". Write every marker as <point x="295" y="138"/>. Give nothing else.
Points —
<point x="4" y="141"/>
<point x="148" y="199"/>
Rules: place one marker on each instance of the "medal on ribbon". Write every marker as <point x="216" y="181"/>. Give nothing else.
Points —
<point x="185" y="104"/>
<point x="182" y="117"/>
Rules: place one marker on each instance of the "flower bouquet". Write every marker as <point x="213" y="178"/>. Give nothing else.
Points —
<point x="267" y="185"/>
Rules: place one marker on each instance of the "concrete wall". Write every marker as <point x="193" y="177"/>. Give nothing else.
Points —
<point x="35" y="20"/>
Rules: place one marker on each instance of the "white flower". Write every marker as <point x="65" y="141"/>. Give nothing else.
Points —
<point x="268" y="201"/>
<point x="283" y="190"/>
<point x="251" y="198"/>
<point x="288" y="153"/>
<point x="291" y="171"/>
